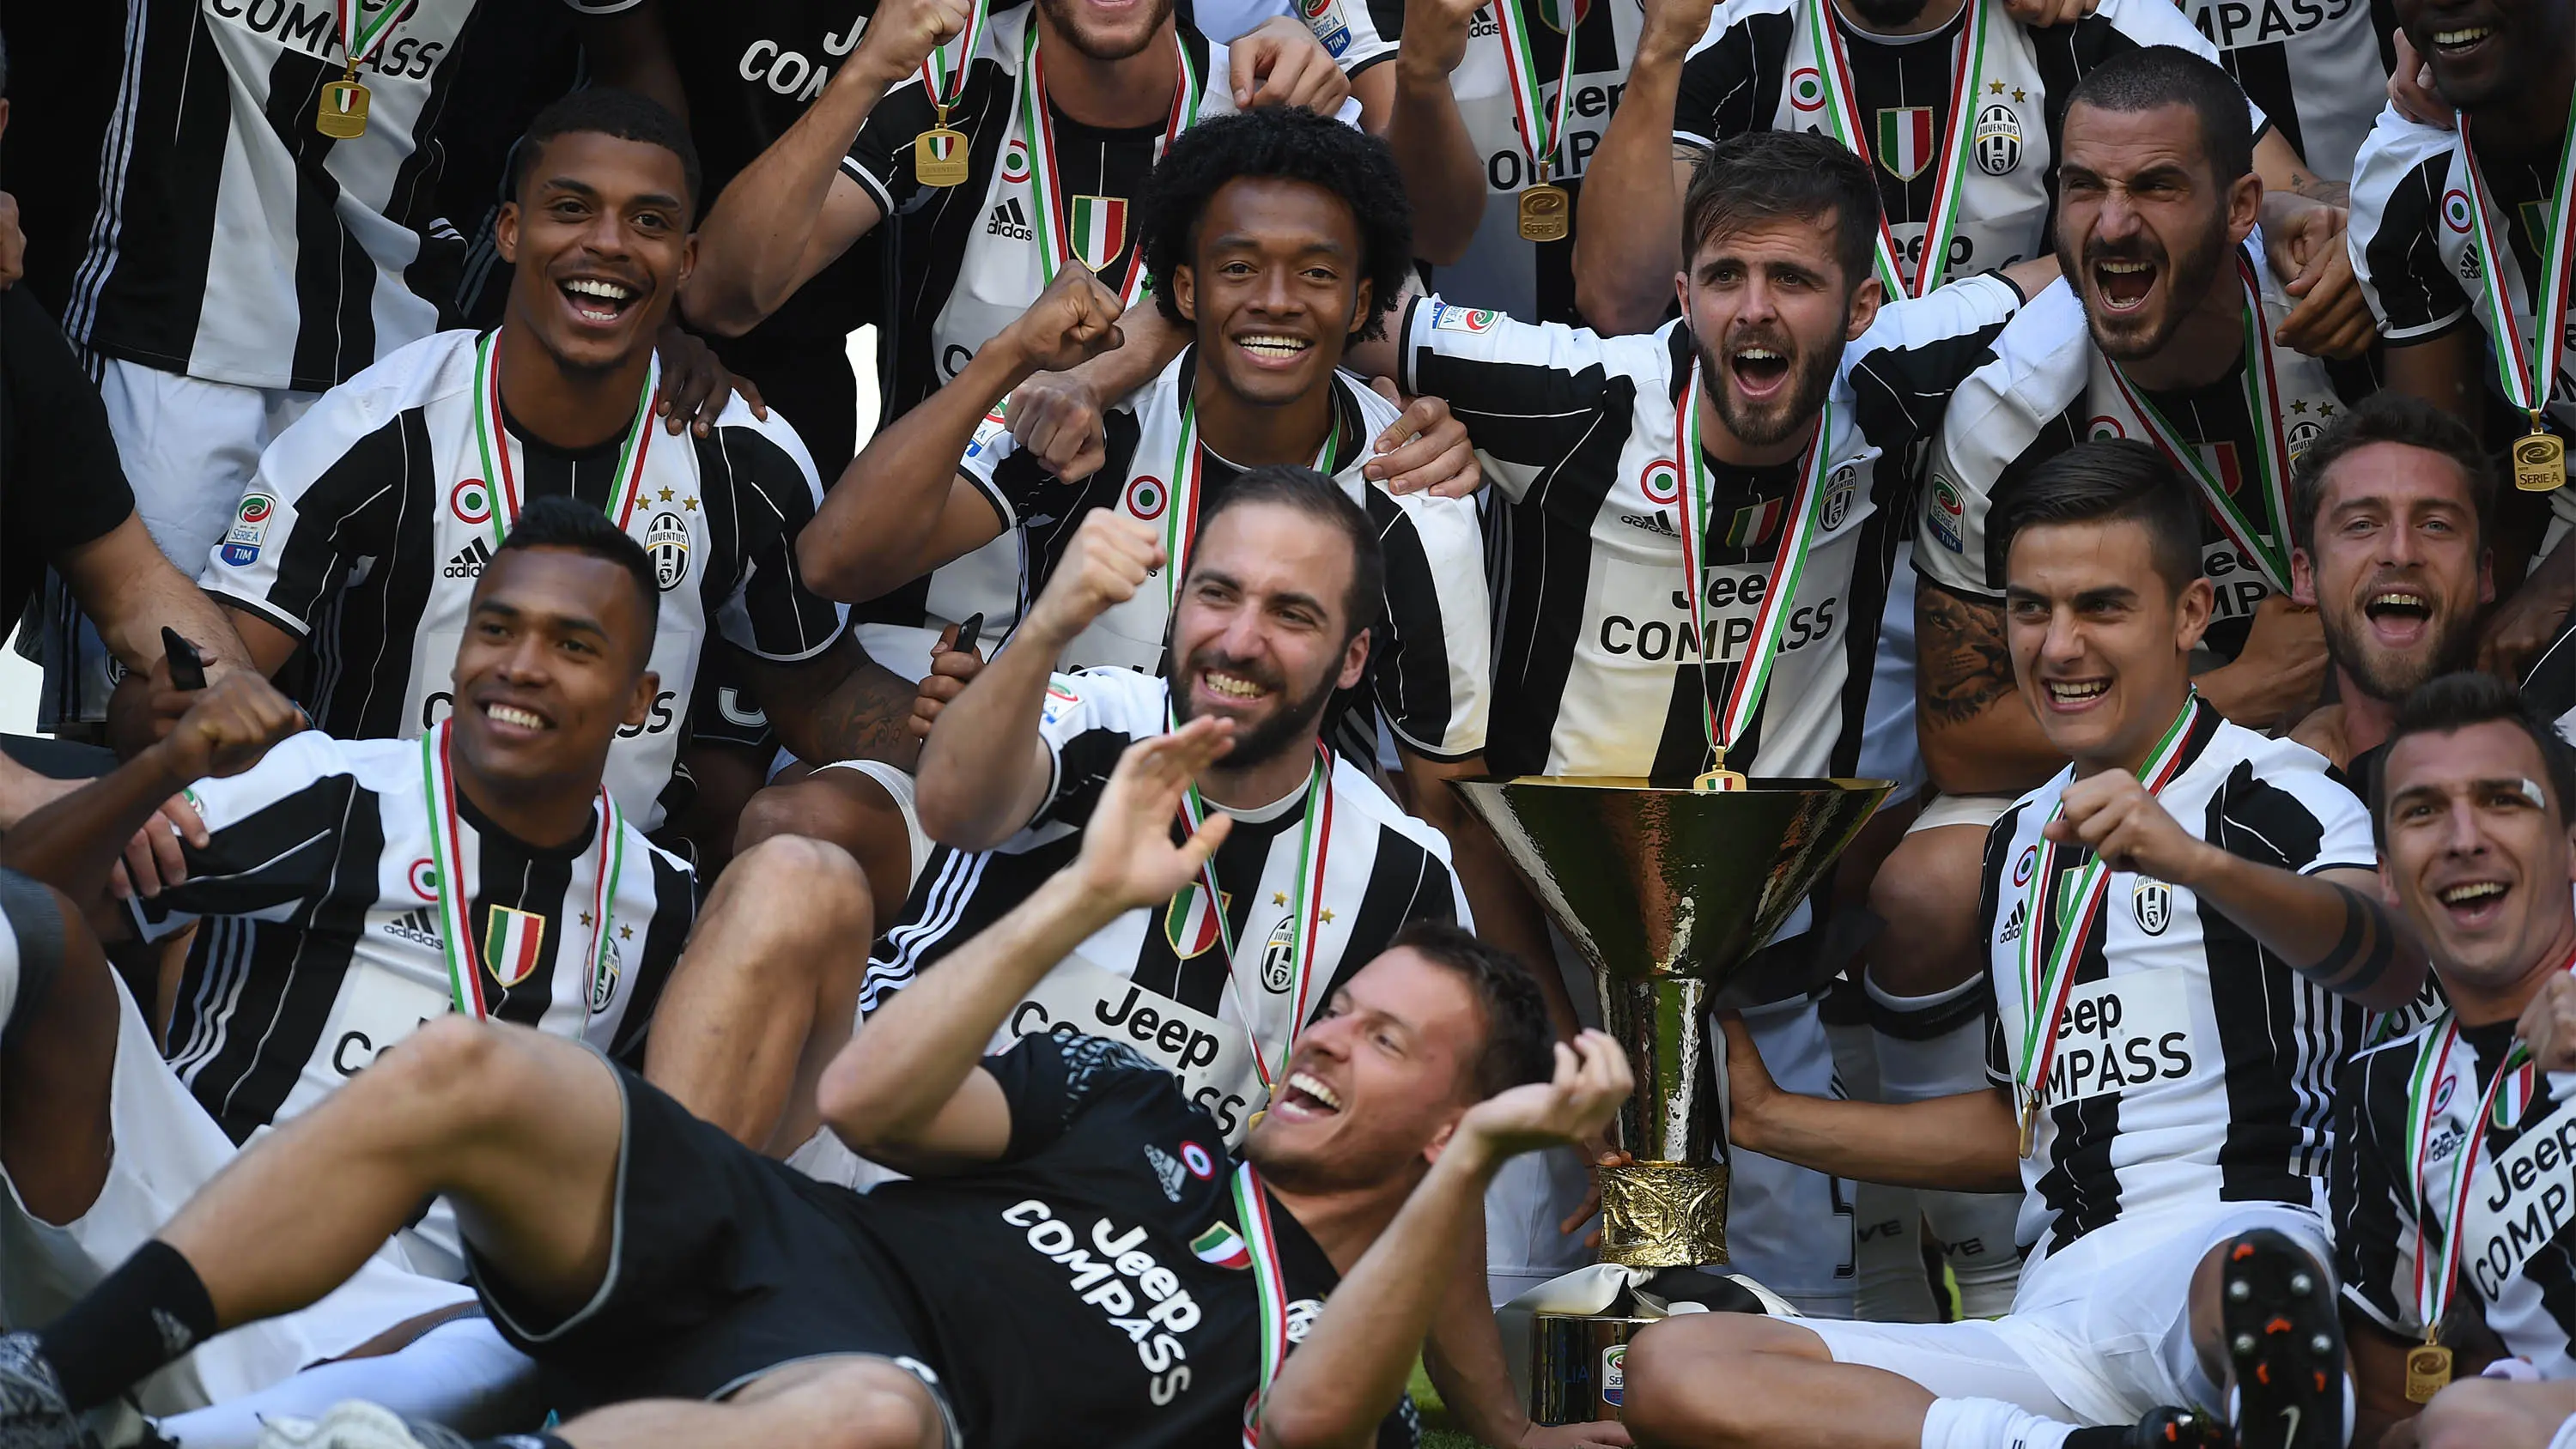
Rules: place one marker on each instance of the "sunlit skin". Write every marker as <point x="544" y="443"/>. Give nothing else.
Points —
<point x="2493" y="58"/>
<point x="2397" y="573"/>
<point x="1107" y="29"/>
<point x="1377" y="1082"/>
<point x="552" y="665"/>
<point x="2101" y="646"/>
<point x="1261" y="636"/>
<point x="592" y="211"/>
<point x="1273" y="292"/>
<point x="1770" y="312"/>
<point x="2480" y="867"/>
<point x="2145" y="233"/>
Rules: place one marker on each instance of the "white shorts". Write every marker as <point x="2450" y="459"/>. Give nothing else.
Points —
<point x="907" y="797"/>
<point x="1977" y="810"/>
<point x="189" y="448"/>
<point x="2100" y="1333"/>
<point x="166" y="1149"/>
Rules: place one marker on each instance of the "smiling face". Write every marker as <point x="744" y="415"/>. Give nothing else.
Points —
<point x="1261" y="635"/>
<point x="1378" y="1080"/>
<point x="1106" y="29"/>
<point x="2396" y="573"/>
<point x="2143" y="223"/>
<point x="1274" y="287"/>
<point x="2101" y="646"/>
<point x="1770" y="310"/>
<point x="599" y="236"/>
<point x="2486" y="51"/>
<point x="551" y="666"/>
<point x="2477" y="857"/>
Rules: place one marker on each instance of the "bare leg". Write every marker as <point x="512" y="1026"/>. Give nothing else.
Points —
<point x="55" y="1136"/>
<point x="521" y="1131"/>
<point x="847" y="1403"/>
<point x="2491" y="1414"/>
<point x="1713" y="1380"/>
<point x="850" y="810"/>
<point x="766" y="992"/>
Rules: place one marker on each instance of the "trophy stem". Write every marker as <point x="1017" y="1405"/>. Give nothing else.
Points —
<point x="1669" y="1208"/>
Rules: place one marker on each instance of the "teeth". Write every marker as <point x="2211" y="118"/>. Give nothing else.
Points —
<point x="1232" y="686"/>
<point x="2085" y="689"/>
<point x="510" y="714"/>
<point x="2461" y="37"/>
<point x="1757" y="354"/>
<point x="1275" y="346"/>
<point x="2397" y="601"/>
<point x="2473" y="891"/>
<point x="2123" y="269"/>
<point x="590" y="288"/>
<point x="1301" y="1082"/>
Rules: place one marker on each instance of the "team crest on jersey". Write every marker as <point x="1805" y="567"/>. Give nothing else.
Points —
<point x="1189" y="925"/>
<point x="1015" y="161"/>
<point x="1279" y="959"/>
<point x="2152" y="902"/>
<point x="1905" y="140"/>
<point x="1838" y="497"/>
<point x="1753" y="524"/>
<point x="603" y="978"/>
<point x="512" y="942"/>
<point x="1301" y="1318"/>
<point x="2104" y="428"/>
<point x="2455" y="210"/>
<point x="1998" y="140"/>
<point x="1146" y="497"/>
<point x="1947" y="517"/>
<point x="1807" y="89"/>
<point x="2535" y="225"/>
<point x="666" y="542"/>
<point x="1324" y="17"/>
<point x="1221" y="1246"/>
<point x="250" y="529"/>
<point x="2024" y="864"/>
<point x="1446" y="318"/>
<point x="424" y="879"/>
<point x="2301" y="435"/>
<point x="1661" y="482"/>
<point x="471" y="501"/>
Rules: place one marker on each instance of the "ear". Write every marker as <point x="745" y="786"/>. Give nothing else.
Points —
<point x="1363" y="308"/>
<point x="2388" y="879"/>
<point x="1354" y="660"/>
<point x="2303" y="578"/>
<point x="688" y="260"/>
<point x="1866" y="299"/>
<point x="639" y="705"/>
<point x="2244" y="207"/>
<point x="1681" y="293"/>
<point x="1439" y="1142"/>
<point x="2192" y="611"/>
<point x="2486" y="576"/>
<point x="1185" y="293"/>
<point x="505" y="232"/>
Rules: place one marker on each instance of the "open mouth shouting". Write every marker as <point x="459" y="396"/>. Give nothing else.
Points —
<point x="2473" y="903"/>
<point x="598" y="301"/>
<point x="1760" y="371"/>
<point x="2399" y="616"/>
<point x="2123" y="283"/>
<point x="1307" y="1098"/>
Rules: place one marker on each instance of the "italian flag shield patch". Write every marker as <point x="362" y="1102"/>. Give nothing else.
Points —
<point x="1098" y="228"/>
<point x="1222" y="1246"/>
<point x="512" y="941"/>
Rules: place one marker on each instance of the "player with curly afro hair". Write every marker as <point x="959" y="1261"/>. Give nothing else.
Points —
<point x="1283" y="144"/>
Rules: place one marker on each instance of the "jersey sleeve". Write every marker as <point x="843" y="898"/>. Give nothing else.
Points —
<point x="772" y="493"/>
<point x="62" y="446"/>
<point x="1086" y="722"/>
<point x="880" y="156"/>
<point x="2374" y="1226"/>
<point x="996" y="468"/>
<point x="1910" y="362"/>
<point x="1432" y="678"/>
<point x="2550" y="688"/>
<point x="1528" y="393"/>
<point x="2397" y="202"/>
<point x="326" y="494"/>
<point x="1050" y="1081"/>
<point x="2126" y="25"/>
<point x="2289" y="813"/>
<point x="273" y="838"/>
<point x="1721" y="91"/>
<point x="1348" y="32"/>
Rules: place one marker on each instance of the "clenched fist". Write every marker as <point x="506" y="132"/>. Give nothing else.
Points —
<point x="1109" y="559"/>
<point x="1071" y="322"/>
<point x="230" y="726"/>
<point x="901" y="36"/>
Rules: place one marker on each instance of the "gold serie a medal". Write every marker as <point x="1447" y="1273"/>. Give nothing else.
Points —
<point x="939" y="155"/>
<point x="2428" y="1371"/>
<point x="1547" y="212"/>
<point x="342" y="114"/>
<point x="2527" y="373"/>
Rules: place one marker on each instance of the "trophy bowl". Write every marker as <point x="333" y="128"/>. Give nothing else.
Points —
<point x="1666" y="894"/>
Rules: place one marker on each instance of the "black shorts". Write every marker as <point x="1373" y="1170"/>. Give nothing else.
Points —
<point x="724" y="1265"/>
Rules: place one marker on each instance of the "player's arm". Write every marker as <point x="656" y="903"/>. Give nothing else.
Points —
<point x="793" y="210"/>
<point x="2378" y="1378"/>
<point x="1347" y="1374"/>
<point x="1443" y="175"/>
<point x="1628" y="245"/>
<point x="907" y="1090"/>
<point x="1963" y="1143"/>
<point x="902" y="508"/>
<point x="1059" y="418"/>
<point x="837" y="704"/>
<point x="2442" y="370"/>
<point x="1978" y="734"/>
<point x="986" y="770"/>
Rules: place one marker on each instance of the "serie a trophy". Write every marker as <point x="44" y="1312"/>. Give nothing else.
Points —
<point x="1667" y="894"/>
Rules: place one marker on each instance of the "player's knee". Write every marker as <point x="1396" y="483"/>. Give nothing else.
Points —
<point x="1671" y="1365"/>
<point x="817" y="877"/>
<point x="2482" y="1414"/>
<point x="455" y="1066"/>
<point x="877" y="1406"/>
<point x="1926" y="893"/>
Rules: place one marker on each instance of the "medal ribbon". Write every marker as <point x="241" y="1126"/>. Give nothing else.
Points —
<point x="1842" y="106"/>
<point x="1305" y="909"/>
<point x="1541" y="125"/>
<point x="493" y="440"/>
<point x="1771" y="621"/>
<point x="1181" y="508"/>
<point x="1037" y="127"/>
<point x="360" y="37"/>
<point x="945" y="81"/>
<point x="447" y="859"/>
<point x="2527" y="377"/>
<point x="2046" y="981"/>
<point x="1252" y="1209"/>
<point x="2272" y="460"/>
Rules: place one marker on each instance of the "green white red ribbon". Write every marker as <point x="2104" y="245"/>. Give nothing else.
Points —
<point x="2437" y="1269"/>
<point x="1842" y="109"/>
<point x="493" y="440"/>
<point x="945" y="80"/>
<point x="1541" y="123"/>
<point x="361" y="37"/>
<point x="2526" y="373"/>
<point x="1252" y="1208"/>
<point x="1037" y="129"/>
<point x="1180" y="516"/>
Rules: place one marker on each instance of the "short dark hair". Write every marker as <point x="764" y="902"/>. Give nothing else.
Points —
<point x="2119" y="480"/>
<point x="560" y="522"/>
<point x="1280" y="143"/>
<point x="1317" y="496"/>
<point x="2155" y="76"/>
<point x="2449" y="703"/>
<point x="609" y="111"/>
<point x="1769" y="175"/>
<point x="1519" y="1041"/>
<point x="2389" y="417"/>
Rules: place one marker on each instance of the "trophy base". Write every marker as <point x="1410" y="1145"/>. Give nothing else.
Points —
<point x="1575" y="1366"/>
<point x="1663" y="1214"/>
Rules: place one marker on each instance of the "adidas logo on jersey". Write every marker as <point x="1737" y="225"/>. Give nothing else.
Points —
<point x="416" y="927"/>
<point x="1167" y="1168"/>
<point x="2012" y="926"/>
<point x="470" y="560"/>
<point x="1010" y="221"/>
<point x="1656" y="522"/>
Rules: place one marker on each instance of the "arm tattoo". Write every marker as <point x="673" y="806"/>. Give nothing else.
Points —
<point x="840" y="705"/>
<point x="1965" y="665"/>
<point x="2365" y="952"/>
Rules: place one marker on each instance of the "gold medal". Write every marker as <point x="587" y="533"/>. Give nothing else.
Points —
<point x="1546" y="213"/>
<point x="2029" y="1123"/>
<point x="1716" y="776"/>
<point x="343" y="113"/>
<point x="939" y="154"/>
<point x="2539" y="461"/>
<point x="2428" y="1372"/>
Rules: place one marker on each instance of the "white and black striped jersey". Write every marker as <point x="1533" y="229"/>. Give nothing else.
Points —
<point x="319" y="945"/>
<point x="1157" y="980"/>
<point x="2516" y="1241"/>
<point x="2549" y="687"/>
<point x="234" y="241"/>
<point x="1756" y="70"/>
<point x="369" y="521"/>
<point x="1598" y="671"/>
<point x="2048" y="388"/>
<point x="2318" y="68"/>
<point x="1502" y="271"/>
<point x="2192" y="1065"/>
<point x="1429" y="656"/>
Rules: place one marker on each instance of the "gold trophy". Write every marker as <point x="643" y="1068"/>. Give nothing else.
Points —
<point x="1666" y="894"/>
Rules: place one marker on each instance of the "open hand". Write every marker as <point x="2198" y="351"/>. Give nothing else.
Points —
<point x="1424" y="451"/>
<point x="1590" y="1082"/>
<point x="1128" y="857"/>
<point x="696" y="386"/>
